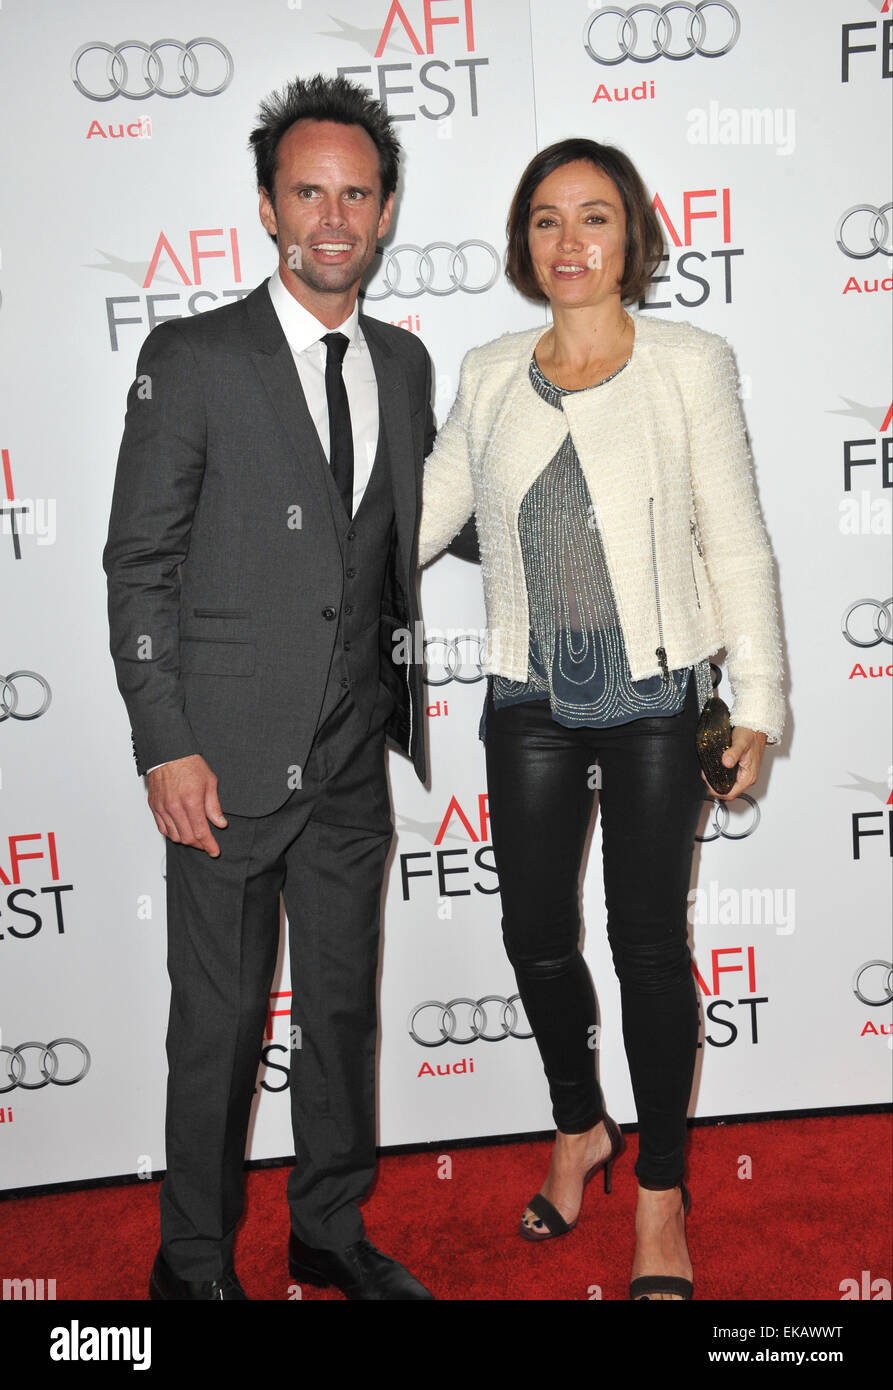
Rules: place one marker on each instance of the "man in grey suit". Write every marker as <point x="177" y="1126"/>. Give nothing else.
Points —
<point x="261" y="564"/>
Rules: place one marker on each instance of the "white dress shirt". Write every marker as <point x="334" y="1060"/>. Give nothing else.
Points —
<point x="304" y="335"/>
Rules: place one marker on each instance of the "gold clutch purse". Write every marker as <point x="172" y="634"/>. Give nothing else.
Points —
<point x="712" y="737"/>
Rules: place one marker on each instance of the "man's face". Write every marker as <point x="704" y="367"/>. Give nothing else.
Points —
<point x="326" y="212"/>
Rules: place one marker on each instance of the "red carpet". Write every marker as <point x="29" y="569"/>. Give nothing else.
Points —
<point x="815" y="1211"/>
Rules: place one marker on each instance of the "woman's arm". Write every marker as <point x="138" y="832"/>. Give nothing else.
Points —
<point x="735" y="546"/>
<point x="448" y="492"/>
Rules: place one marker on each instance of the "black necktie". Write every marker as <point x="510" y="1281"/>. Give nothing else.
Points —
<point x="340" y="432"/>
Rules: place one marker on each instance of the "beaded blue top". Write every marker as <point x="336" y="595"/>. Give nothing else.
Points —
<point x="577" y="658"/>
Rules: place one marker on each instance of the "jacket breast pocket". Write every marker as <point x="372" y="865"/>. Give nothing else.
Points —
<point x="199" y="657"/>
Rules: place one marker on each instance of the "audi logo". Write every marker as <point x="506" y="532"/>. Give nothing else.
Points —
<point x="119" y="79"/>
<point x="438" y="268"/>
<point x="722" y="816"/>
<point x="878" y="621"/>
<point x="620" y="38"/>
<point x="10" y="695"/>
<point x="48" y="1064"/>
<point x="873" y="232"/>
<point x="882" y="982"/>
<point x="477" y="1026"/>
<point x="457" y="659"/>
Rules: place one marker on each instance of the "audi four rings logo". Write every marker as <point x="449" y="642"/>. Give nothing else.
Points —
<point x="865" y="230"/>
<point x="875" y="625"/>
<point x="458" y="659"/>
<point x="477" y="1026"/>
<point x="721" y="817"/>
<point x="34" y="704"/>
<point x="875" y="976"/>
<point x="152" y="74"/>
<point x="438" y="268"/>
<point x="47" y="1063"/>
<point x="612" y="35"/>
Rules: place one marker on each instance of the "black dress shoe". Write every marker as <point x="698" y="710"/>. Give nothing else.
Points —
<point x="359" y="1271"/>
<point x="164" y="1284"/>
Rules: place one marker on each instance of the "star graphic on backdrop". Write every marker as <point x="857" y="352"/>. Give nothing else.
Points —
<point x="367" y="39"/>
<point x="864" y="784"/>
<point x="427" y="829"/>
<point x="878" y="416"/>
<point x="132" y="270"/>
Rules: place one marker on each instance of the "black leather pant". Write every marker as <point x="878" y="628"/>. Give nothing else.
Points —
<point x="541" y="779"/>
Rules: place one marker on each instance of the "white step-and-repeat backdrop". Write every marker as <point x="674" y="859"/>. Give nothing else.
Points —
<point x="763" y="132"/>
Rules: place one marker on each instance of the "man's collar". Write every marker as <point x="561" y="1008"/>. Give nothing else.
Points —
<point x="301" y="328"/>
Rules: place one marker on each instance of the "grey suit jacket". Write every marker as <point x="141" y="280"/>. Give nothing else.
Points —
<point x="223" y="558"/>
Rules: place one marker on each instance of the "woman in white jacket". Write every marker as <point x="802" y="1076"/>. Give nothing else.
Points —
<point x="606" y="462"/>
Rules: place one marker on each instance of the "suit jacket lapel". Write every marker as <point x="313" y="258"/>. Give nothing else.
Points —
<point x="394" y="423"/>
<point x="275" y="364"/>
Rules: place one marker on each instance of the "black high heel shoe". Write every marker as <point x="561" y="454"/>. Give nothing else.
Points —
<point x="644" y="1288"/>
<point x="549" y="1216"/>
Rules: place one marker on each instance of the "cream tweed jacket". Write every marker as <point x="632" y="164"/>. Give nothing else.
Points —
<point x="664" y="452"/>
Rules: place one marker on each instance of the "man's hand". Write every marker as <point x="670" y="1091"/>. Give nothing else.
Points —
<point x="746" y="750"/>
<point x="183" y="799"/>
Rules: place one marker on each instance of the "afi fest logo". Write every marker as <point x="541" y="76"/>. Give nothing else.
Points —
<point x="867" y="36"/>
<point x="864" y="515"/>
<point x="178" y="260"/>
<point x="872" y="825"/>
<point x="696" y="213"/>
<point x="719" y="1011"/>
<point x="24" y="910"/>
<point x="24" y="516"/>
<point x="279" y="1006"/>
<point x="441" y="33"/>
<point x="451" y="873"/>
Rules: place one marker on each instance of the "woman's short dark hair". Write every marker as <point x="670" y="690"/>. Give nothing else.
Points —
<point x="644" y="239"/>
<point x="322" y="98"/>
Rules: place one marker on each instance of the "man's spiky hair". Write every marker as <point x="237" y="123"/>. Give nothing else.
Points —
<point x="322" y="98"/>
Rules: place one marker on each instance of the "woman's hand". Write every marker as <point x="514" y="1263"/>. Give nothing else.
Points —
<point x="747" y="751"/>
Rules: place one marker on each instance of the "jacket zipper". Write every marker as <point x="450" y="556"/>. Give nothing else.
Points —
<point x="694" y="536"/>
<point x="660" y="652"/>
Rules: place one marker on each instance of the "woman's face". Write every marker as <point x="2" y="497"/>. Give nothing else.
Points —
<point x="577" y="235"/>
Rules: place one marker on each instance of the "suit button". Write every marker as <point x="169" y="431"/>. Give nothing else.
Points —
<point x="329" y="614"/>
<point x="347" y="646"/>
<point x="345" y="682"/>
<point x="348" y="608"/>
<point x="351" y="535"/>
<point x="351" y="574"/>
